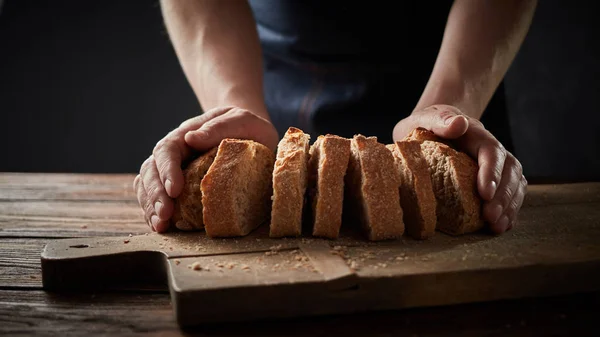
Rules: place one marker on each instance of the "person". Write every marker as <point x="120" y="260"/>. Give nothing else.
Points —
<point x="260" y="66"/>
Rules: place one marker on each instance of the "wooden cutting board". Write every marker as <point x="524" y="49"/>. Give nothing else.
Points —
<point x="555" y="249"/>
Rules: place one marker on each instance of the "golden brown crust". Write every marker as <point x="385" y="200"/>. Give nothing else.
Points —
<point x="289" y="184"/>
<point x="374" y="186"/>
<point x="454" y="176"/>
<point x="327" y="166"/>
<point x="237" y="188"/>
<point x="188" y="206"/>
<point x="416" y="192"/>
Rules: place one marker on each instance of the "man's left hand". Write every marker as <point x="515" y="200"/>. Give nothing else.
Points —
<point x="500" y="180"/>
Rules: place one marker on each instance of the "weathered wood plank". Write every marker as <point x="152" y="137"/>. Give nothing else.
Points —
<point x="127" y="314"/>
<point x="60" y="228"/>
<point x="20" y="262"/>
<point x="108" y="211"/>
<point x="43" y="186"/>
<point x="559" y="194"/>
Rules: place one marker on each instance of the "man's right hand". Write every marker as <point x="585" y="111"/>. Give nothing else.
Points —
<point x="161" y="177"/>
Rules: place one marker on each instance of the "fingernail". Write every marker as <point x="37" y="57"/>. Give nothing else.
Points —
<point x="449" y="120"/>
<point x="168" y="186"/>
<point x="496" y="213"/>
<point x="493" y="187"/>
<point x="154" y="220"/>
<point x="158" y="207"/>
<point x="502" y="224"/>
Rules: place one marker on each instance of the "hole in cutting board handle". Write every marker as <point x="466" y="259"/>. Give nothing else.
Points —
<point x="79" y="246"/>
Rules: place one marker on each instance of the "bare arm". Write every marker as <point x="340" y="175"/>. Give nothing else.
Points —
<point x="217" y="45"/>
<point x="480" y="42"/>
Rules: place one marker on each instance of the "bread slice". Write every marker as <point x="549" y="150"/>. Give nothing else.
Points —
<point x="454" y="180"/>
<point x="416" y="192"/>
<point x="188" y="205"/>
<point x="237" y="188"/>
<point x="290" y="177"/>
<point x="373" y="189"/>
<point x="328" y="163"/>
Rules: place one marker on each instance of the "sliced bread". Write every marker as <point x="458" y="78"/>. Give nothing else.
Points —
<point x="327" y="165"/>
<point x="187" y="215"/>
<point x="416" y="192"/>
<point x="290" y="177"/>
<point x="454" y="180"/>
<point x="237" y="188"/>
<point x="372" y="183"/>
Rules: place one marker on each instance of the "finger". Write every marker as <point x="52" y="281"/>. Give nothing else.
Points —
<point x="491" y="158"/>
<point x="479" y="143"/>
<point x="445" y="121"/>
<point x="509" y="218"/>
<point x="170" y="151"/>
<point x="238" y="123"/>
<point x="143" y="201"/>
<point x="162" y="204"/>
<point x="509" y="185"/>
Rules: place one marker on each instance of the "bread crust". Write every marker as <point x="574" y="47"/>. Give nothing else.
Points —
<point x="454" y="177"/>
<point x="237" y="188"/>
<point x="290" y="177"/>
<point x="374" y="188"/>
<point x="187" y="214"/>
<point x="416" y="191"/>
<point x="328" y="163"/>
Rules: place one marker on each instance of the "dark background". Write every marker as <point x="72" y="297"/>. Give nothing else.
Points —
<point x="91" y="86"/>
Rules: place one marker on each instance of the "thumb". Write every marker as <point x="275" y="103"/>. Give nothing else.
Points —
<point x="444" y="120"/>
<point x="204" y="138"/>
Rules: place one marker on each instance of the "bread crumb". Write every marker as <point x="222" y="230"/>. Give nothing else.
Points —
<point x="126" y="241"/>
<point x="382" y="265"/>
<point x="400" y="258"/>
<point x="83" y="226"/>
<point x="219" y="264"/>
<point x="177" y="262"/>
<point x="130" y="235"/>
<point x="146" y="234"/>
<point x="245" y="267"/>
<point x="166" y="239"/>
<point x="464" y="258"/>
<point x="353" y="265"/>
<point x="195" y="266"/>
<point x="230" y="265"/>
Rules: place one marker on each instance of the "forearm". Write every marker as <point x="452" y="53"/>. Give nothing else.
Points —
<point x="217" y="45"/>
<point x="480" y="41"/>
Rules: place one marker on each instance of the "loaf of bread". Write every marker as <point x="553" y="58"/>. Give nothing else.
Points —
<point x="290" y="177"/>
<point x="237" y="189"/>
<point x="372" y="183"/>
<point x="454" y="180"/>
<point x="328" y="162"/>
<point x="416" y="192"/>
<point x="187" y="215"/>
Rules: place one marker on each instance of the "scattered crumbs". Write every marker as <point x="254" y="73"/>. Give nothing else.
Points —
<point x="269" y="253"/>
<point x="207" y="268"/>
<point x="195" y="266"/>
<point x="130" y="235"/>
<point x="170" y="248"/>
<point x="177" y="262"/>
<point x="353" y="265"/>
<point x="275" y="248"/>
<point x="382" y="265"/>
<point x="464" y="257"/>
<point x="146" y="234"/>
<point x="276" y="265"/>
<point x="400" y="258"/>
<point x="298" y="265"/>
<point x="230" y="265"/>
<point x="125" y="241"/>
<point x="219" y="264"/>
<point x="295" y="251"/>
<point x="83" y="226"/>
<point x="166" y="239"/>
<point x="245" y="267"/>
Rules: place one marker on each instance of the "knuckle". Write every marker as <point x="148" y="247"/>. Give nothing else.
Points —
<point x="242" y="113"/>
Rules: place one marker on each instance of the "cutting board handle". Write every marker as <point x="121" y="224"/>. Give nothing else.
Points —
<point x="103" y="263"/>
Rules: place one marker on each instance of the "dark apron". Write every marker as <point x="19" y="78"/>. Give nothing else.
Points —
<point x="340" y="68"/>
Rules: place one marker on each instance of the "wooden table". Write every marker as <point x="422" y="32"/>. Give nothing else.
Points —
<point x="38" y="208"/>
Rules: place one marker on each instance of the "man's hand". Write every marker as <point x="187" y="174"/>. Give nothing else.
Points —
<point x="161" y="176"/>
<point x="500" y="179"/>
